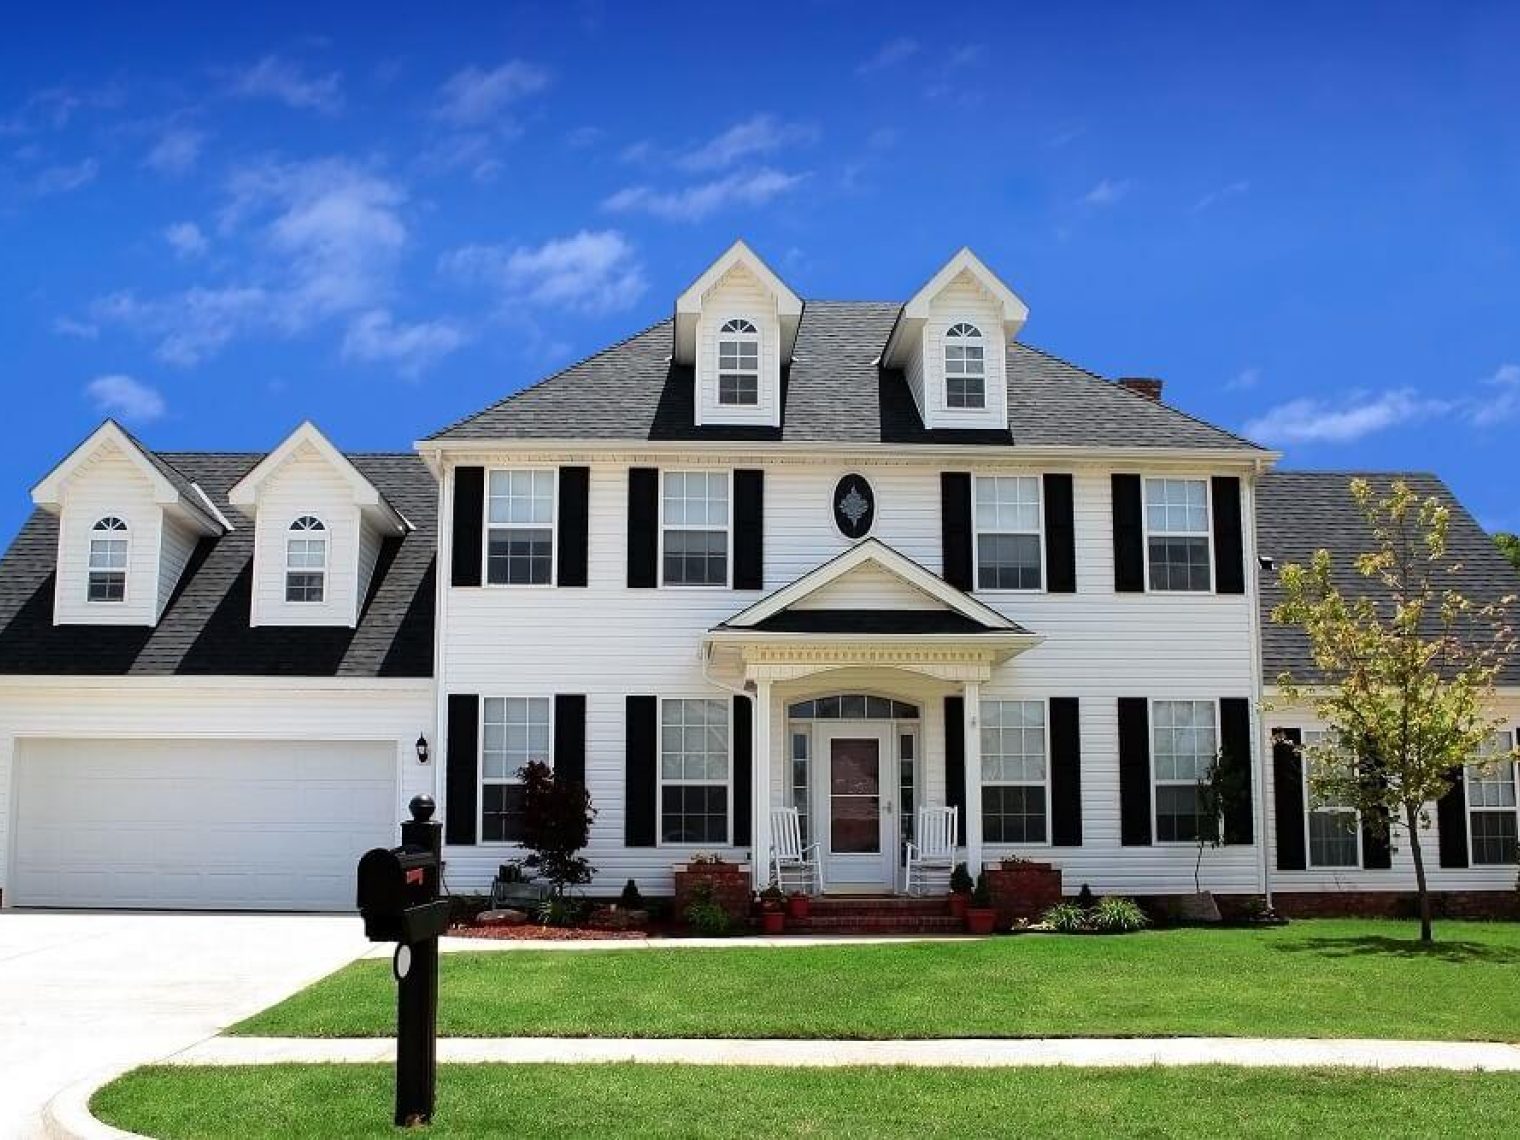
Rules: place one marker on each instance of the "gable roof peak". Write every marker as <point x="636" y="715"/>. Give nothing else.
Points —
<point x="245" y="492"/>
<point x="689" y="303"/>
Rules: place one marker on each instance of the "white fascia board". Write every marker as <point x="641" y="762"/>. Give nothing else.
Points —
<point x="1014" y="312"/>
<point x="244" y="494"/>
<point x="689" y="303"/>
<point x="211" y="683"/>
<point x="48" y="493"/>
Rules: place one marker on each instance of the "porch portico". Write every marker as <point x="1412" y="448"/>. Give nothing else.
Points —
<point x="851" y="717"/>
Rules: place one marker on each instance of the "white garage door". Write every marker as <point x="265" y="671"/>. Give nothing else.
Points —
<point x="219" y="825"/>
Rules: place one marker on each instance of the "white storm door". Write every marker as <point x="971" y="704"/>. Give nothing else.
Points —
<point x="856" y="811"/>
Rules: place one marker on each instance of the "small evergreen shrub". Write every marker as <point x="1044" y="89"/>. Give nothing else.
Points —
<point x="960" y="880"/>
<point x="1067" y="917"/>
<point x="630" y="899"/>
<point x="1085" y="898"/>
<point x="1115" y="915"/>
<point x="981" y="896"/>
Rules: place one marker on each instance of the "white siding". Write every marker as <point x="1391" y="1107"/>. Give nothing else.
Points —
<point x="110" y="484"/>
<point x="306" y="485"/>
<point x="962" y="300"/>
<point x="369" y="552"/>
<point x="739" y="293"/>
<point x="867" y="587"/>
<point x="178" y="544"/>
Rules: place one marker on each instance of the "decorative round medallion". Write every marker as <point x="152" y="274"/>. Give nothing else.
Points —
<point x="854" y="506"/>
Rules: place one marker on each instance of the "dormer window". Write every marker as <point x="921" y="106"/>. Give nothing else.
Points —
<point x="108" y="561"/>
<point x="739" y="364"/>
<point x="306" y="560"/>
<point x="965" y="367"/>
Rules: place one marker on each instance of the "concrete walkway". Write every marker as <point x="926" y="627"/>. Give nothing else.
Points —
<point x="957" y="1053"/>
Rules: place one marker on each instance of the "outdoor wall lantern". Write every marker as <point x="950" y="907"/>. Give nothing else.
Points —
<point x="423" y="751"/>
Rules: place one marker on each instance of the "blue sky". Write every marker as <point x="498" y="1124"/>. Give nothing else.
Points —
<point x="217" y="223"/>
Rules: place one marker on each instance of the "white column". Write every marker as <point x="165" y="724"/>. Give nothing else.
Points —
<point x="760" y="786"/>
<point x="972" y="825"/>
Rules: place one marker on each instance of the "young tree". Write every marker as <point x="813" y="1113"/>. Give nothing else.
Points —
<point x="557" y="817"/>
<point x="1509" y="546"/>
<point x="1220" y="787"/>
<point x="1406" y="667"/>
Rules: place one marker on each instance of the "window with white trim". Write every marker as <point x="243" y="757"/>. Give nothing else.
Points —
<point x="801" y="754"/>
<point x="1177" y="534"/>
<point x="1493" y="804"/>
<point x="514" y="731"/>
<point x="739" y="364"/>
<point x="520" y="528"/>
<point x="1184" y="743"/>
<point x="694" y="771"/>
<point x="1014" y="771"/>
<point x="965" y="367"/>
<point x="694" y="528"/>
<point x="1335" y="833"/>
<point x="107" y="565"/>
<point x="306" y="560"/>
<point x="1009" y="548"/>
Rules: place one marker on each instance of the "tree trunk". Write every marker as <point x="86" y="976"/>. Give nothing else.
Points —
<point x="1412" y="817"/>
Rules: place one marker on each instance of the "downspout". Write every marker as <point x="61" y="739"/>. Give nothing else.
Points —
<point x="1259" y="772"/>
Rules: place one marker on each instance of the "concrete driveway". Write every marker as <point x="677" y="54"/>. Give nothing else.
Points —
<point x="86" y="993"/>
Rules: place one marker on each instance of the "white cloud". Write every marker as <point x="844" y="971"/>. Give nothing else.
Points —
<point x="176" y="152"/>
<point x="693" y="203"/>
<point x="1107" y="192"/>
<point x="758" y="135"/>
<point x="1311" y="420"/>
<point x="186" y="239"/>
<point x="1501" y="398"/>
<point x="63" y="179"/>
<point x="889" y="54"/>
<point x="122" y="396"/>
<point x="191" y="326"/>
<point x="588" y="271"/>
<point x="474" y="96"/>
<point x="1234" y="189"/>
<point x="285" y="81"/>
<point x="1244" y="380"/>
<point x="53" y="108"/>
<point x="79" y="330"/>
<point x="375" y="337"/>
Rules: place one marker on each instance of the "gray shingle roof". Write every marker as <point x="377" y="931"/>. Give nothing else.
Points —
<point x="1299" y="512"/>
<point x="204" y="630"/>
<point x="834" y="392"/>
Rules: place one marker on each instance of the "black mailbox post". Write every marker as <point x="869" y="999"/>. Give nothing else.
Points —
<point x="398" y="900"/>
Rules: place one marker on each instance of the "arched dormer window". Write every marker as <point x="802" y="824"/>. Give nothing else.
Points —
<point x="108" y="561"/>
<point x="306" y="560"/>
<point x="739" y="363"/>
<point x="965" y="367"/>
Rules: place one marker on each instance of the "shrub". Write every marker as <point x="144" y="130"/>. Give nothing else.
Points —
<point x="773" y="897"/>
<point x="1115" y="915"/>
<point x="557" y="910"/>
<point x="703" y="914"/>
<point x="960" y="880"/>
<point x="1067" y="917"/>
<point x="557" y="815"/>
<point x="981" y="897"/>
<point x="630" y="899"/>
<point x="1085" y="898"/>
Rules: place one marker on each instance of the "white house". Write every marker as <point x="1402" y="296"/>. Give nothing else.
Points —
<point x="853" y="558"/>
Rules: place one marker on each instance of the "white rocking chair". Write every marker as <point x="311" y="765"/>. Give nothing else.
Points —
<point x="789" y="858"/>
<point x="932" y="849"/>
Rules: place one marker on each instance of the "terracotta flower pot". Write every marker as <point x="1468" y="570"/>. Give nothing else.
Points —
<point x="959" y="901"/>
<point x="772" y="921"/>
<point x="980" y="920"/>
<point x="797" y="906"/>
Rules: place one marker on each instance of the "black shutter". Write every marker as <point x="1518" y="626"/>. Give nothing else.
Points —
<point x="1235" y="751"/>
<point x="1065" y="771"/>
<point x="574" y="490"/>
<point x="1451" y="820"/>
<point x="462" y="769"/>
<point x="1129" y="536"/>
<point x="1229" y="554"/>
<point x="570" y="737"/>
<point x="1134" y="772"/>
<point x="743" y="749"/>
<point x="1288" y="794"/>
<point x="1060" y="536"/>
<point x="469" y="525"/>
<point x="955" y="759"/>
<point x="641" y="773"/>
<point x="643" y="527"/>
<point x="1377" y="847"/>
<point x="749" y="530"/>
<point x="955" y="529"/>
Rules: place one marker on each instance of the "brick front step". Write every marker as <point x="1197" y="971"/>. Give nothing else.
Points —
<point x="902" y="907"/>
<point x="876" y="924"/>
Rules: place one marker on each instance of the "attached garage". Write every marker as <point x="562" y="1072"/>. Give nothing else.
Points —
<point x="197" y="824"/>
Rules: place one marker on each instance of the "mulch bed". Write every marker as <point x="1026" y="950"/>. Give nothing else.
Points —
<point x="542" y="933"/>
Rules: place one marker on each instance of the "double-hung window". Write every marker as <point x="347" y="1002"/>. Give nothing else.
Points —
<point x="306" y="560"/>
<point x="965" y="367"/>
<point x="1184" y="743"/>
<point x="108" y="561"/>
<point x="739" y="363"/>
<point x="1008" y="542"/>
<point x="694" y="771"/>
<point x="694" y="528"/>
<point x="520" y="528"/>
<point x="1014" y="772"/>
<point x="1335" y="838"/>
<point x="515" y="730"/>
<point x="1492" y="803"/>
<point x="1177" y="533"/>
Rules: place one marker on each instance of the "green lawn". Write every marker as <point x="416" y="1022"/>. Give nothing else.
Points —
<point x="1332" y="978"/>
<point x="336" y="1101"/>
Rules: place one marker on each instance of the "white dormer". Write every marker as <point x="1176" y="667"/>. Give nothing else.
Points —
<point x="951" y="343"/>
<point x="736" y="325"/>
<point x="317" y="528"/>
<point x="127" y="525"/>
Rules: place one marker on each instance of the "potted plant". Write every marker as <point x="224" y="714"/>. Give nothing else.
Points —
<point x="772" y="910"/>
<point x="798" y="905"/>
<point x="980" y="917"/>
<point x="960" y="890"/>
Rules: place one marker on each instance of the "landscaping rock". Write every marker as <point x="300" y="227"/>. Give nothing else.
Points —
<point x="502" y="918"/>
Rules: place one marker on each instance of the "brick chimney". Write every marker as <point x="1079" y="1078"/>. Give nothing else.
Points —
<point x="1146" y="386"/>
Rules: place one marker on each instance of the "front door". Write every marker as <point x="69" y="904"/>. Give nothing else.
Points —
<point x="859" y="823"/>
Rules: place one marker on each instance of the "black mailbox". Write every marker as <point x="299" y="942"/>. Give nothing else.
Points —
<point x="398" y="895"/>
